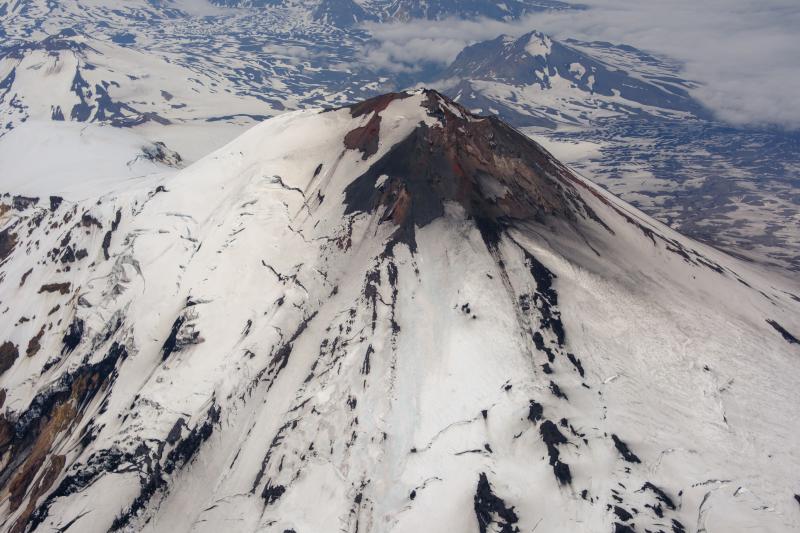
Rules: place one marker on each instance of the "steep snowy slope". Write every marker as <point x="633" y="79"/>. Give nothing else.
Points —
<point x="395" y="316"/>
<point x="90" y="160"/>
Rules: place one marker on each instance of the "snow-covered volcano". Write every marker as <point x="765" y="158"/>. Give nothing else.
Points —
<point x="395" y="316"/>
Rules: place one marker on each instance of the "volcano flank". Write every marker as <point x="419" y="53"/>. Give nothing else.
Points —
<point x="396" y="316"/>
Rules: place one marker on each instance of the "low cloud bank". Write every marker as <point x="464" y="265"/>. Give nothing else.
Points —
<point x="745" y="54"/>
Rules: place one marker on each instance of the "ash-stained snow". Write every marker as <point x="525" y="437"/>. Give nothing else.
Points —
<point x="236" y="347"/>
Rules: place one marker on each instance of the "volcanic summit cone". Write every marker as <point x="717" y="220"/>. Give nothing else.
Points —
<point x="392" y="317"/>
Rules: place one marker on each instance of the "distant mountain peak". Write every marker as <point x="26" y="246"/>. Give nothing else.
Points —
<point x="578" y="81"/>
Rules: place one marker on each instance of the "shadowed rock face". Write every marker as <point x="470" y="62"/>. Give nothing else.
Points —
<point x="494" y="172"/>
<point x="490" y="510"/>
<point x="7" y="242"/>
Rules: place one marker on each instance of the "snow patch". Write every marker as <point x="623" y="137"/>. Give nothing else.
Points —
<point x="539" y="45"/>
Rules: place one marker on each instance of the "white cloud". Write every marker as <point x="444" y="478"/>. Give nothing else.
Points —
<point x="293" y="54"/>
<point x="744" y="53"/>
<point x="199" y="8"/>
<point x="402" y="46"/>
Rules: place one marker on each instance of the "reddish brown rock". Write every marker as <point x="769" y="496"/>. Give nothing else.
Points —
<point x="62" y="288"/>
<point x="34" y="344"/>
<point x="8" y="354"/>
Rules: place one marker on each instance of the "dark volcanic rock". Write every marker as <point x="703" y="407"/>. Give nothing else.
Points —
<point x="365" y="138"/>
<point x="622" y="448"/>
<point x="7" y="242"/>
<point x="493" y="511"/>
<point x="791" y="339"/>
<point x="660" y="495"/>
<point x="55" y="202"/>
<point x="21" y="203"/>
<point x="552" y="438"/>
<point x="497" y="174"/>
<point x="535" y="411"/>
<point x="73" y="336"/>
<point x="8" y="354"/>
<point x="172" y="340"/>
<point x="34" y="344"/>
<point x="61" y="288"/>
<point x="57" y="408"/>
<point x="622" y="514"/>
<point x="272" y="493"/>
